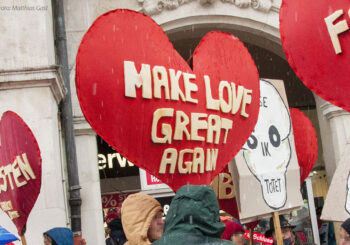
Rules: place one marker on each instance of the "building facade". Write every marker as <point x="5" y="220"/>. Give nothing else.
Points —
<point x="31" y="86"/>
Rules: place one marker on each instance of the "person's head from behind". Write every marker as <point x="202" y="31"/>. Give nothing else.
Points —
<point x="234" y="232"/>
<point x="345" y="233"/>
<point x="286" y="230"/>
<point x="142" y="219"/>
<point x="58" y="236"/>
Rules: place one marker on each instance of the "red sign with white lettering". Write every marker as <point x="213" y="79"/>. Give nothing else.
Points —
<point x="315" y="37"/>
<point x="20" y="169"/>
<point x="114" y="200"/>
<point x="258" y="237"/>
<point x="181" y="125"/>
<point x="151" y="180"/>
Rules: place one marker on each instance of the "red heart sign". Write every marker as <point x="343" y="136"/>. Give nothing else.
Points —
<point x="143" y="99"/>
<point x="305" y="139"/>
<point x="20" y="169"/>
<point x="316" y="40"/>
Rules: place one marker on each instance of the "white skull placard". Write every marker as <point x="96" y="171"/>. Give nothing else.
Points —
<point x="267" y="152"/>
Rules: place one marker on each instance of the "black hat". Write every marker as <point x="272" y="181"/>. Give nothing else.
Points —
<point x="346" y="225"/>
<point x="283" y="223"/>
<point x="115" y="224"/>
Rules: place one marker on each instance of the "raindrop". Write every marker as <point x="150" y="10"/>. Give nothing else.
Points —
<point x="113" y="28"/>
<point x="136" y="27"/>
<point x="112" y="70"/>
<point x="191" y="219"/>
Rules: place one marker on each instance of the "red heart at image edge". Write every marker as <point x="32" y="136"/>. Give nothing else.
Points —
<point x="305" y="139"/>
<point x="309" y="49"/>
<point x="126" y="123"/>
<point x="17" y="139"/>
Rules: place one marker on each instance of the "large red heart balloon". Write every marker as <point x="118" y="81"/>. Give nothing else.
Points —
<point x="322" y="64"/>
<point x="305" y="139"/>
<point x="124" y="107"/>
<point x="20" y="169"/>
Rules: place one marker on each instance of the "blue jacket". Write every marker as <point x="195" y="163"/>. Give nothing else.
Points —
<point x="61" y="236"/>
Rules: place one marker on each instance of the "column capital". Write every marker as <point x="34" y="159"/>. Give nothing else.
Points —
<point x="33" y="78"/>
<point x="331" y="111"/>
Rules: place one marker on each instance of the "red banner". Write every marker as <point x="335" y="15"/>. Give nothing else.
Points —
<point x="258" y="237"/>
<point x="20" y="169"/>
<point x="114" y="200"/>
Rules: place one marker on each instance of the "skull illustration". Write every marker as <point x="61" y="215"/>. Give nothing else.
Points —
<point x="267" y="152"/>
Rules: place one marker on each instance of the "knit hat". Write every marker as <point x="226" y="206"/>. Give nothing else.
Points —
<point x="346" y="225"/>
<point x="231" y="228"/>
<point x="283" y="223"/>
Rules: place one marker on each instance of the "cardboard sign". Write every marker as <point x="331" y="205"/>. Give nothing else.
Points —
<point x="305" y="139"/>
<point x="181" y="125"/>
<point x="316" y="40"/>
<point x="265" y="171"/>
<point x="20" y="169"/>
<point x="224" y="191"/>
<point x="337" y="204"/>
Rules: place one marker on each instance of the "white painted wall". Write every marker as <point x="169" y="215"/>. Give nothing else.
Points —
<point x="26" y="38"/>
<point x="38" y="108"/>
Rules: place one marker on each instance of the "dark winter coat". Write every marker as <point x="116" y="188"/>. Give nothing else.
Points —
<point x="61" y="236"/>
<point x="117" y="236"/>
<point x="193" y="218"/>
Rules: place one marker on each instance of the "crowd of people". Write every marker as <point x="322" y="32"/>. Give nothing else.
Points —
<point x="193" y="218"/>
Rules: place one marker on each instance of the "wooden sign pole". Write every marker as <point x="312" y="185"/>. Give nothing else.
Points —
<point x="251" y="237"/>
<point x="23" y="239"/>
<point x="278" y="232"/>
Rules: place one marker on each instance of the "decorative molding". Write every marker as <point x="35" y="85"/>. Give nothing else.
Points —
<point x="331" y="111"/>
<point x="82" y="127"/>
<point x="153" y="7"/>
<point x="33" y="78"/>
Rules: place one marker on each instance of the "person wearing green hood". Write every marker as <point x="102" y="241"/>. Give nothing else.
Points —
<point x="193" y="218"/>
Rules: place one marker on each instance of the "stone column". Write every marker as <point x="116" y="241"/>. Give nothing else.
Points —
<point x="335" y="133"/>
<point x="91" y="209"/>
<point x="30" y="85"/>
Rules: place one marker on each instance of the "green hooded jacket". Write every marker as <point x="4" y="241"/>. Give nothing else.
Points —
<point x="193" y="218"/>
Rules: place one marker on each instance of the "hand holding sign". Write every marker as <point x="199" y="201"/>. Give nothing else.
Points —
<point x="141" y="97"/>
<point x="316" y="40"/>
<point x="20" y="169"/>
